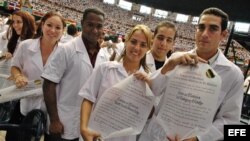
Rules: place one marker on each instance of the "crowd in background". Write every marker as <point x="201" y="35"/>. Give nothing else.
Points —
<point x="118" y="22"/>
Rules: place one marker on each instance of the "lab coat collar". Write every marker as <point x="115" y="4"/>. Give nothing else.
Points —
<point x="150" y="59"/>
<point x="35" y="45"/>
<point x="220" y="61"/>
<point x="36" y="56"/>
<point x="81" y="48"/>
<point x="121" y="69"/>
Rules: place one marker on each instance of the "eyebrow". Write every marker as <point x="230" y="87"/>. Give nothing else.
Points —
<point x="138" y="40"/>
<point x="165" y="37"/>
<point x="210" y="25"/>
<point x="214" y="26"/>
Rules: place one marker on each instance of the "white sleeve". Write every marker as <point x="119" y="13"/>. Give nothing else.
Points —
<point x="91" y="87"/>
<point x="56" y="67"/>
<point x="229" y="111"/>
<point x="100" y="57"/>
<point x="3" y="41"/>
<point x="159" y="82"/>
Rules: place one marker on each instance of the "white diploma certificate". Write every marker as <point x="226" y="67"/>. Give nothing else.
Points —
<point x="5" y="66"/>
<point x="10" y="92"/>
<point x="123" y="109"/>
<point x="190" y="100"/>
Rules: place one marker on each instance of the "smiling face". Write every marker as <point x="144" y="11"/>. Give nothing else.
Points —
<point x="136" y="46"/>
<point x="52" y="28"/>
<point x="92" y="27"/>
<point x="17" y="24"/>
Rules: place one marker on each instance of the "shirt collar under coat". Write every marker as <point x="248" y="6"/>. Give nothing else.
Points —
<point x="220" y="61"/>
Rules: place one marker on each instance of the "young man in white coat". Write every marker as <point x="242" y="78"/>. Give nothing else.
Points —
<point x="67" y="71"/>
<point x="163" y="42"/>
<point x="211" y="30"/>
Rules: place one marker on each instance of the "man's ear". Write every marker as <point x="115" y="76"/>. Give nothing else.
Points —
<point x="224" y="34"/>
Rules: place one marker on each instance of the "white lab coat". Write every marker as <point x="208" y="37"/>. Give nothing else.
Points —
<point x="151" y="61"/>
<point x="151" y="64"/>
<point x="65" y="38"/>
<point x="105" y="53"/>
<point x="102" y="78"/>
<point x="4" y="64"/>
<point x="228" y="106"/>
<point x="70" y="67"/>
<point x="246" y="83"/>
<point x="3" y="41"/>
<point x="28" y="59"/>
<point x="4" y="28"/>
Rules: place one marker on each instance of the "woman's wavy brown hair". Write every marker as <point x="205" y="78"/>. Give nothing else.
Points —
<point x="28" y="30"/>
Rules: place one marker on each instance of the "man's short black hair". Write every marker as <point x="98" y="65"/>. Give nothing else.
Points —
<point x="72" y="30"/>
<point x="92" y="10"/>
<point x="217" y="12"/>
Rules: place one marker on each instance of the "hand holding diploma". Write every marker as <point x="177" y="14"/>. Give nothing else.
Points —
<point x="190" y="101"/>
<point x="123" y="109"/>
<point x="33" y="88"/>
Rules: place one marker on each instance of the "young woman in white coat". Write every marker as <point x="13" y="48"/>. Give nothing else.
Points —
<point x="32" y="56"/>
<point x="137" y="43"/>
<point x="21" y="28"/>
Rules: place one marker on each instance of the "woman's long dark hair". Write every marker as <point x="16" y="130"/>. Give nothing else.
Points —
<point x="28" y="30"/>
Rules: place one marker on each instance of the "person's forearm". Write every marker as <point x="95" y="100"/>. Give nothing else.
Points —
<point x="167" y="67"/>
<point x="49" y="92"/>
<point x="15" y="72"/>
<point x="86" y="109"/>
